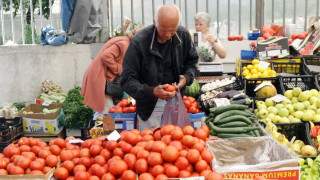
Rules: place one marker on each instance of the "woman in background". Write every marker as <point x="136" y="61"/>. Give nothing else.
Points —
<point x="202" y="24"/>
<point x="106" y="66"/>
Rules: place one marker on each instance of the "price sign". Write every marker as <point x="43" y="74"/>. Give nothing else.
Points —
<point x="114" y="136"/>
<point x="264" y="65"/>
<point x="278" y="98"/>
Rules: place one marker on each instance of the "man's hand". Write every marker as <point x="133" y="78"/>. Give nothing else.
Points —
<point x="182" y="82"/>
<point x="159" y="92"/>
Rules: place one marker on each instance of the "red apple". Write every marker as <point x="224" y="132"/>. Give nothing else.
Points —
<point x="231" y="38"/>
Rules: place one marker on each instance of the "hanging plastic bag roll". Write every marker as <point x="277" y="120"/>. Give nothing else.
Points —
<point x="175" y="112"/>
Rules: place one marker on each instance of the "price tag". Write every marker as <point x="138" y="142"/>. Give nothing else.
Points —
<point x="75" y="141"/>
<point x="264" y="65"/>
<point x="278" y="98"/>
<point x="113" y="136"/>
<point x="47" y="102"/>
<point x="267" y="83"/>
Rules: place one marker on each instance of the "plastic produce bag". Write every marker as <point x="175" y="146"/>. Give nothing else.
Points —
<point x="175" y="112"/>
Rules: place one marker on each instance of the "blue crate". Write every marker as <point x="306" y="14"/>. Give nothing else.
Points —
<point x="196" y="119"/>
<point x="253" y="36"/>
<point x="124" y="121"/>
<point x="248" y="55"/>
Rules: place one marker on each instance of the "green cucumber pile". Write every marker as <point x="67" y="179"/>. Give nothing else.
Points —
<point x="232" y="121"/>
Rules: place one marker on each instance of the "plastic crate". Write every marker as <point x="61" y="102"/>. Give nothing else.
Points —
<point x="10" y="129"/>
<point x="253" y="36"/>
<point x="85" y="132"/>
<point x="248" y="55"/>
<point x="288" y="67"/>
<point x="251" y="84"/>
<point x="300" y="130"/>
<point x="305" y="82"/>
<point x="312" y="64"/>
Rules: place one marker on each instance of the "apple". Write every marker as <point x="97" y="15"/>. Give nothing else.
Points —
<point x="276" y="119"/>
<point x="231" y="38"/>
<point x="306" y="104"/>
<point x="313" y="99"/>
<point x="308" y="115"/>
<point x="298" y="106"/>
<point x="273" y="110"/>
<point x="286" y="101"/>
<point x="239" y="38"/>
<point x="263" y="113"/>
<point x="279" y="106"/>
<point x="295" y="120"/>
<point x="290" y="108"/>
<point x="294" y="36"/>
<point x="298" y="114"/>
<point x="313" y="108"/>
<point x="304" y="96"/>
<point x="314" y="92"/>
<point x="283" y="112"/>
<point x="253" y="44"/>
<point x="294" y="100"/>
<point x="317" y="117"/>
<point x="269" y="102"/>
<point x="284" y="120"/>
<point x="318" y="111"/>
<point x="318" y="103"/>
<point x="267" y="120"/>
<point x="296" y="91"/>
<point x="291" y="117"/>
<point x="288" y="94"/>
<point x="271" y="115"/>
<point x="262" y="106"/>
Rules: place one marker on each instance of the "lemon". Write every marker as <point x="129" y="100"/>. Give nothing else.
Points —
<point x="259" y="74"/>
<point x="254" y="76"/>
<point x="255" y="61"/>
<point x="254" y="71"/>
<point x="249" y="67"/>
<point x="265" y="74"/>
<point x="245" y="72"/>
<point x="256" y="66"/>
<point x="260" y="69"/>
<point x="248" y="76"/>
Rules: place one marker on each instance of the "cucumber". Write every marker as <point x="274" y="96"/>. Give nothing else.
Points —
<point x="233" y="130"/>
<point x="233" y="124"/>
<point x="227" y="135"/>
<point x="235" y="118"/>
<point x="222" y="109"/>
<point x="230" y="113"/>
<point x="251" y="133"/>
<point x="256" y="133"/>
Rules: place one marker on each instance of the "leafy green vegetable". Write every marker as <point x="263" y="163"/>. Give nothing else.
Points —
<point x="19" y="105"/>
<point x="78" y="115"/>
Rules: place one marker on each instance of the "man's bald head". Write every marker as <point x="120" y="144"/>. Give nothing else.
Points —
<point x="167" y="13"/>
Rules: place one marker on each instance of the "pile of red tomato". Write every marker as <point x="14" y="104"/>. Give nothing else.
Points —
<point x="167" y="152"/>
<point x="238" y="38"/>
<point x="123" y="106"/>
<point x="191" y="104"/>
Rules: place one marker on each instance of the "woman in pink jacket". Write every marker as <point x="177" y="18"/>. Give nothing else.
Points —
<point x="104" y="68"/>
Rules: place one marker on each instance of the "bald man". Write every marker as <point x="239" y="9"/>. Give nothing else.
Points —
<point x="160" y="54"/>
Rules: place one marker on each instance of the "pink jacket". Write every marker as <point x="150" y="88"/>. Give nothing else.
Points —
<point x="105" y="67"/>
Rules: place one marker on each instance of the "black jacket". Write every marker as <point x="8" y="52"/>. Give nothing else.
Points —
<point x="143" y="67"/>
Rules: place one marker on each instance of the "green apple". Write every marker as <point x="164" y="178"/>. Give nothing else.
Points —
<point x="298" y="106"/>
<point x="296" y="91"/>
<point x="268" y="120"/>
<point x="289" y="94"/>
<point x="271" y="115"/>
<point x="284" y="120"/>
<point x="316" y="117"/>
<point x="276" y="119"/>
<point x="308" y="116"/>
<point x="269" y="102"/>
<point x="318" y="103"/>
<point x="313" y="107"/>
<point x="290" y="108"/>
<point x="313" y="99"/>
<point x="263" y="113"/>
<point x="262" y="106"/>
<point x="294" y="100"/>
<point x="304" y="96"/>
<point x="273" y="110"/>
<point x="256" y="112"/>
<point x="318" y="111"/>
<point x="286" y="101"/>
<point x="279" y="106"/>
<point x="259" y="102"/>
<point x="314" y="92"/>
<point x="290" y="117"/>
<point x="283" y="112"/>
<point x="298" y="114"/>
<point x="306" y="104"/>
<point x="295" y="120"/>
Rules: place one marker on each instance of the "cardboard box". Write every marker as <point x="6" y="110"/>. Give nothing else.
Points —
<point x="306" y="46"/>
<point x="73" y="132"/>
<point x="247" y="158"/>
<point x="124" y="121"/>
<point x="196" y="119"/>
<point x="47" y="176"/>
<point x="39" y="122"/>
<point x="273" y="47"/>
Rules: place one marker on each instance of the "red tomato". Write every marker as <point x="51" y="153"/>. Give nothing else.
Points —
<point x="289" y="41"/>
<point x="231" y="38"/>
<point x="187" y="103"/>
<point x="118" y="109"/>
<point x="192" y="110"/>
<point x="260" y="39"/>
<point x="301" y="36"/>
<point x="111" y="110"/>
<point x="267" y="36"/>
<point x="126" y="110"/>
<point x="170" y="88"/>
<point x="239" y="38"/>
<point x="253" y="44"/>
<point x="294" y="36"/>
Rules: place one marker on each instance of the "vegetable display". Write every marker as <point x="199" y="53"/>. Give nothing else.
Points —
<point x="78" y="115"/>
<point x="310" y="169"/>
<point x="52" y="91"/>
<point x="193" y="90"/>
<point x="232" y="121"/>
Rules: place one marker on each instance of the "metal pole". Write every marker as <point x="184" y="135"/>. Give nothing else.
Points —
<point x="111" y="13"/>
<point x="228" y="17"/>
<point x="272" y="11"/>
<point x="207" y="6"/>
<point x="121" y="10"/>
<point x="197" y="6"/>
<point x="218" y="25"/>
<point x="259" y="14"/>
<point x="22" y="22"/>
<point x="294" y="11"/>
<point x="306" y="16"/>
<point x="32" y="26"/>
<point x="239" y="17"/>
<point x="250" y="13"/>
<point x="284" y="14"/>
<point x="2" y="24"/>
<point x="12" y="23"/>
<point x="40" y="2"/>
<point x="50" y="6"/>
<point x="153" y="8"/>
<point x="132" y="14"/>
<point x="142" y="7"/>
<point x="186" y="12"/>
<point x="317" y="8"/>
<point x="164" y="2"/>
